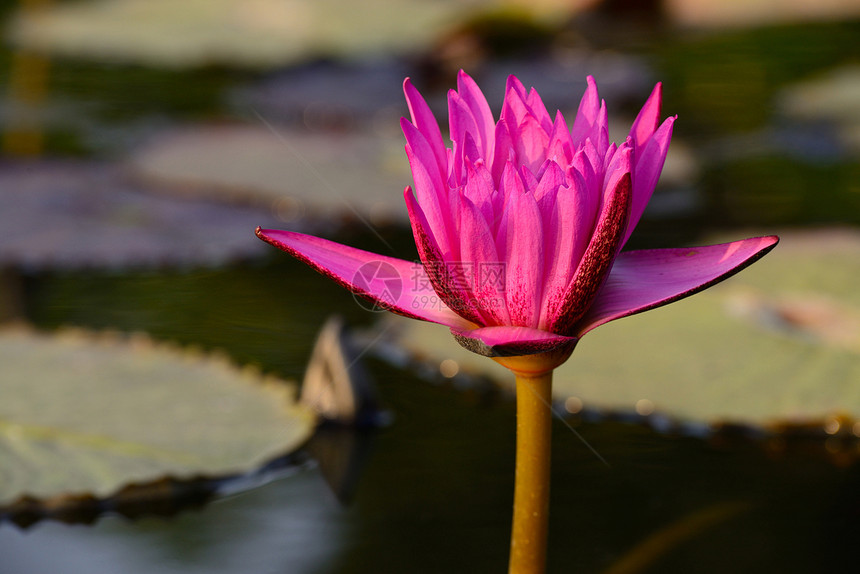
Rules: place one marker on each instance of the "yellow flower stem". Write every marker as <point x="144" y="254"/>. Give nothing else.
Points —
<point x="531" y="486"/>
<point x="534" y="439"/>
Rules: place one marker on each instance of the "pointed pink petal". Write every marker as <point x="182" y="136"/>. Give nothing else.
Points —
<point x="530" y="180"/>
<point x="425" y="121"/>
<point x="552" y="177"/>
<point x="430" y="190"/>
<point x="514" y="109"/>
<point x="460" y="119"/>
<point x="420" y="150"/>
<point x="539" y="111"/>
<point x="643" y="280"/>
<point x="646" y="172"/>
<point x="513" y="83"/>
<point x="648" y="119"/>
<point x="394" y="284"/>
<point x="597" y="260"/>
<point x="427" y="244"/>
<point x="600" y="133"/>
<point x="503" y="150"/>
<point x="531" y="143"/>
<point x="619" y="166"/>
<point x="586" y="115"/>
<point x="560" y="147"/>
<point x="510" y="341"/>
<point x="480" y="109"/>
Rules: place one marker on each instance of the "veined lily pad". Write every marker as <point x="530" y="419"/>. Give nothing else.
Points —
<point x="82" y="414"/>
<point x="778" y="342"/>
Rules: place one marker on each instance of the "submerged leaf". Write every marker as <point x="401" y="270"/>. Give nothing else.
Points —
<point x="81" y="414"/>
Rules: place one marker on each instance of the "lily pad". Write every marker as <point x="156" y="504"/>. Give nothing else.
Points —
<point x="67" y="214"/>
<point x="779" y="342"/>
<point x="833" y="98"/>
<point x="84" y="414"/>
<point x="320" y="175"/>
<point x="253" y="33"/>
<point x="703" y="13"/>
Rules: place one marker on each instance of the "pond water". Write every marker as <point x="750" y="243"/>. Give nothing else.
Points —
<point x="431" y="491"/>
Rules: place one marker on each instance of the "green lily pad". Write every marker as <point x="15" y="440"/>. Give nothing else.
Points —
<point x="703" y="13"/>
<point x="321" y="176"/>
<point x="254" y="33"/>
<point x="779" y="342"/>
<point x="84" y="414"/>
<point x="833" y="97"/>
<point x="81" y="214"/>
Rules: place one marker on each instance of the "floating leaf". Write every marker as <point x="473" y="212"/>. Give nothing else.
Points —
<point x="87" y="415"/>
<point x="255" y="33"/>
<point x="780" y="341"/>
<point x="327" y="175"/>
<point x="66" y="214"/>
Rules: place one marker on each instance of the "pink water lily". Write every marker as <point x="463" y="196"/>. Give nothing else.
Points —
<point x="520" y="225"/>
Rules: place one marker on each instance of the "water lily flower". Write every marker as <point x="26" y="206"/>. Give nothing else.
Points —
<point x="520" y="225"/>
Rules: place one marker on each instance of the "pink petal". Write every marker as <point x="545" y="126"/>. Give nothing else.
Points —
<point x="531" y="143"/>
<point x="560" y="147"/>
<point x="648" y="119"/>
<point x="426" y="242"/>
<point x="597" y="260"/>
<point x="394" y="284"/>
<point x="420" y="150"/>
<point x="480" y="109"/>
<point x="460" y="120"/>
<point x="487" y="271"/>
<point x="552" y="177"/>
<point x="524" y="259"/>
<point x="425" y="121"/>
<point x="600" y="133"/>
<point x="513" y="83"/>
<point x="503" y="150"/>
<point x="586" y="115"/>
<point x="646" y="172"/>
<point x="620" y="165"/>
<point x="444" y="270"/>
<point x="430" y="190"/>
<point x="510" y="341"/>
<point x="643" y="280"/>
<point x="514" y="107"/>
<point x="479" y="189"/>
<point x="575" y="221"/>
<point x="538" y="110"/>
